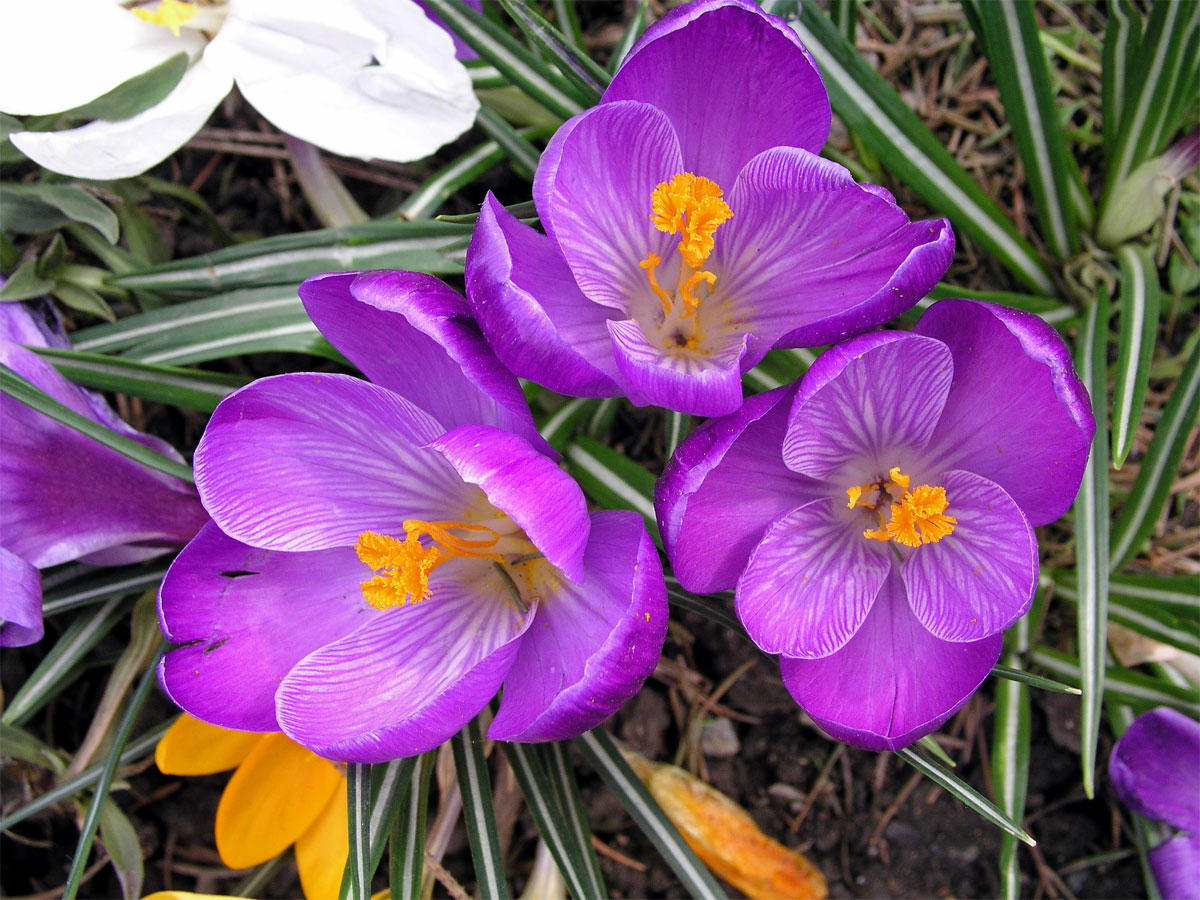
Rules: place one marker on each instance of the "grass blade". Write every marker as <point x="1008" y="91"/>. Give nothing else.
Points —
<point x="172" y="385"/>
<point x="434" y="247"/>
<point x="427" y="199"/>
<point x="587" y="78"/>
<point x="1176" y="594"/>
<point x="135" y="751"/>
<point x="568" y="22"/>
<point x="1156" y="474"/>
<point x="1053" y="312"/>
<point x="35" y="398"/>
<point x="1010" y="759"/>
<point x="257" y="320"/>
<point x="1161" y="83"/>
<point x="1122" y="35"/>
<point x="388" y="788"/>
<point x="876" y="113"/>
<point x="1123" y="685"/>
<point x="562" y="836"/>
<point x="561" y="773"/>
<point x="478" y="810"/>
<point x="606" y="759"/>
<point x="970" y="797"/>
<point x="91" y="819"/>
<point x="677" y="427"/>
<point x="1091" y="537"/>
<point x="613" y="480"/>
<point x="358" y="807"/>
<point x="562" y="425"/>
<point x="407" y="845"/>
<point x="633" y="31"/>
<point x="1140" y="301"/>
<point x="503" y="51"/>
<point x="61" y="665"/>
<point x="1017" y="62"/>
<point x="1018" y="675"/>
<point x="1150" y="617"/>
<point x="521" y="153"/>
<point x="96" y="585"/>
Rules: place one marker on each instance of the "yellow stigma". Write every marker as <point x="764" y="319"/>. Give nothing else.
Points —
<point x="404" y="567"/>
<point x="169" y="13"/>
<point x="913" y="517"/>
<point x="691" y="206"/>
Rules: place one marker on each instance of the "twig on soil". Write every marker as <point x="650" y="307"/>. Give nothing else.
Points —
<point x="820" y="782"/>
<point x="617" y="856"/>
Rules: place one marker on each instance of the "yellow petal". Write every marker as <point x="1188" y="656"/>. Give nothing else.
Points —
<point x="272" y="799"/>
<point x="321" y="852"/>
<point x="192" y="747"/>
<point x="184" y="895"/>
<point x="726" y="838"/>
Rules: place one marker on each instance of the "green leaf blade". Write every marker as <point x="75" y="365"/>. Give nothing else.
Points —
<point x="1091" y="538"/>
<point x="1014" y="50"/>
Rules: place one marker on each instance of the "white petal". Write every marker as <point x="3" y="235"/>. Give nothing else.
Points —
<point x="310" y="71"/>
<point x="59" y="54"/>
<point x="105" y="150"/>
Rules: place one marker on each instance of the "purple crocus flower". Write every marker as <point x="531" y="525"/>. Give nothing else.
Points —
<point x="67" y="497"/>
<point x="384" y="556"/>
<point x="876" y="517"/>
<point x="1155" y="770"/>
<point x="691" y="227"/>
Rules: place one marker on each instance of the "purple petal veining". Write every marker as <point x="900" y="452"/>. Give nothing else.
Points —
<point x="877" y="545"/>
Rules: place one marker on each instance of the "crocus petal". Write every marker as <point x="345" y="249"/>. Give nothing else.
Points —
<point x="247" y="616"/>
<point x="192" y="747"/>
<point x="722" y="488"/>
<point x="532" y="311"/>
<point x="364" y="78"/>
<point x="67" y="496"/>
<point x="412" y="334"/>
<point x="106" y="150"/>
<point x="702" y="385"/>
<point x="868" y="399"/>
<point x="893" y="682"/>
<point x="981" y="578"/>
<point x="1018" y="414"/>
<point x="540" y="497"/>
<point x="274" y="797"/>
<point x="32" y="324"/>
<point x="1176" y="866"/>
<point x="322" y="851"/>
<point x="1155" y="767"/>
<point x="696" y="64"/>
<point x="810" y="257"/>
<point x="811" y="582"/>
<point x="593" y="188"/>
<point x="593" y="645"/>
<point x="20" y="601"/>
<point x="410" y="678"/>
<point x="308" y="462"/>
<point x="56" y="56"/>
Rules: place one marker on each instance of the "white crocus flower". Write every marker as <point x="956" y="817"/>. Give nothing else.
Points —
<point x="374" y="79"/>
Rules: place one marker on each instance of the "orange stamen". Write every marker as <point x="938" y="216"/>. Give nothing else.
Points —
<point x="691" y="206"/>
<point x="915" y="517"/>
<point x="403" y="567"/>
